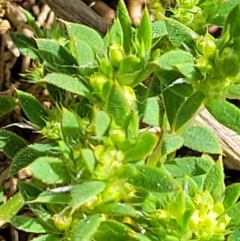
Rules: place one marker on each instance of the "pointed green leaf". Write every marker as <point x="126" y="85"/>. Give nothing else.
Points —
<point x="53" y="198"/>
<point x="151" y="112"/>
<point x="87" y="34"/>
<point x="32" y="108"/>
<point x="69" y="83"/>
<point x="132" y="125"/>
<point x="125" y="21"/>
<point x="116" y="33"/>
<point x="28" y="190"/>
<point x="171" y="143"/>
<point x="233" y="91"/>
<point x="173" y="97"/>
<point x="234" y="213"/>
<point x="159" y="29"/>
<point x="86" y="228"/>
<point x="7" y="104"/>
<point x="143" y="147"/>
<point x="27" y="46"/>
<point x="223" y="12"/>
<point x="31" y="21"/>
<point x="214" y="181"/>
<point x="188" y="109"/>
<point x="89" y="159"/>
<point x="235" y="235"/>
<point x="171" y="59"/>
<point x="49" y="170"/>
<point x="27" y="155"/>
<point x="117" y="209"/>
<point x="11" y="208"/>
<point x="70" y="126"/>
<point x="114" y="230"/>
<point x="102" y="123"/>
<point x="153" y="179"/>
<point x="10" y="143"/>
<point x="60" y="55"/>
<point x="224" y="112"/>
<point x="232" y="194"/>
<point x="190" y="166"/>
<point x="232" y="23"/>
<point x="27" y="224"/>
<point x="86" y="191"/>
<point x="144" y="31"/>
<point x="179" y="33"/>
<point x="117" y="104"/>
<point x="85" y="56"/>
<point x="201" y="139"/>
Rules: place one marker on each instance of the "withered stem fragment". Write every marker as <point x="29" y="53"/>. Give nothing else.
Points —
<point x="78" y="12"/>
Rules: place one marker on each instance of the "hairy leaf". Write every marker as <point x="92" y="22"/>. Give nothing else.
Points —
<point x="10" y="143"/>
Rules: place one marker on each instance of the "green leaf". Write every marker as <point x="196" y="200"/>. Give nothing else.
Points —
<point x="27" y="46"/>
<point x="117" y="104"/>
<point x="11" y="208"/>
<point x="233" y="91"/>
<point x="151" y="112"/>
<point x="132" y="125"/>
<point x="143" y="147"/>
<point x="174" y="58"/>
<point x="70" y="126"/>
<point x="55" y="54"/>
<point x="114" y="230"/>
<point x="84" y="192"/>
<point x="123" y="16"/>
<point x="232" y="23"/>
<point x="188" y="109"/>
<point x="234" y="213"/>
<point x="153" y="179"/>
<point x="48" y="237"/>
<point x="49" y="170"/>
<point x="116" y="33"/>
<point x="232" y="194"/>
<point x="117" y="209"/>
<point x="85" y="56"/>
<point x="223" y="11"/>
<point x="32" y="108"/>
<point x="31" y="21"/>
<point x="235" y="235"/>
<point x="171" y="143"/>
<point x="144" y="32"/>
<point x="179" y="34"/>
<point x="53" y="198"/>
<point x="86" y="228"/>
<point x="201" y="139"/>
<point x="10" y="143"/>
<point x="27" y="155"/>
<point x="69" y="83"/>
<point x="7" y="104"/>
<point x="129" y="70"/>
<point x="174" y="95"/>
<point x="214" y="181"/>
<point x="224" y="112"/>
<point x="28" y="190"/>
<point x="159" y="29"/>
<point x="102" y="123"/>
<point x="89" y="159"/>
<point x="86" y="34"/>
<point x="190" y="166"/>
<point x="27" y="224"/>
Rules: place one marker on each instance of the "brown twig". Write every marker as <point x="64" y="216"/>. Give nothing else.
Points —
<point x="78" y="12"/>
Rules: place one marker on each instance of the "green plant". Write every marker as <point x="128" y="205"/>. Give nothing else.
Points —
<point x="121" y="107"/>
